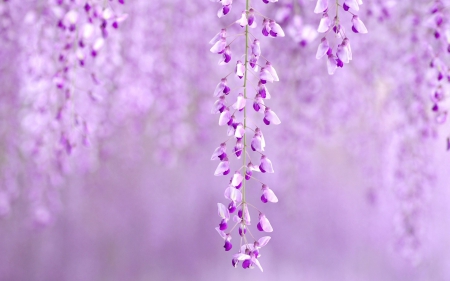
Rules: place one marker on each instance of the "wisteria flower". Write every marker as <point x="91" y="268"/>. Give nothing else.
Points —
<point x="239" y="70"/>
<point x="268" y="195"/>
<point x="271" y="117"/>
<point x="321" y="6"/>
<point x="265" y="165"/>
<point x="358" y="25"/>
<point x="226" y="237"/>
<point x="224" y="214"/>
<point x="258" y="143"/>
<point x="222" y="35"/>
<point x="226" y="56"/>
<point x="243" y="20"/>
<point x="225" y="117"/>
<point x="275" y="29"/>
<point x="223" y="168"/>
<point x="220" y="152"/>
<point x="240" y="103"/>
<point x="325" y="24"/>
<point x="219" y="47"/>
<point x="323" y="48"/>
<point x="264" y="224"/>
<point x="234" y="194"/>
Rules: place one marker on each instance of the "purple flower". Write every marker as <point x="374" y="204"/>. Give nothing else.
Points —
<point x="240" y="103"/>
<point x="238" y="148"/>
<point x="243" y="20"/>
<point x="331" y="64"/>
<point x="226" y="56"/>
<point x="221" y="150"/>
<point x="240" y="131"/>
<point x="219" y="46"/>
<point x="262" y="90"/>
<point x="264" y="75"/>
<point x="266" y="27"/>
<point x="237" y="179"/>
<point x="256" y="48"/>
<point x="239" y="70"/>
<point x="222" y="35"/>
<point x="264" y="224"/>
<point x="268" y="195"/>
<point x="323" y="48"/>
<point x="234" y="194"/>
<point x="270" y="117"/>
<point x="275" y="29"/>
<point x="353" y="4"/>
<point x="258" y="102"/>
<point x="272" y="71"/>
<point x="358" y="25"/>
<point x="251" y="18"/>
<point x="223" y="168"/>
<point x="321" y="6"/>
<point x="225" y="117"/>
<point x="219" y="105"/>
<point x="265" y="165"/>
<point x="324" y="24"/>
<point x="258" y="143"/>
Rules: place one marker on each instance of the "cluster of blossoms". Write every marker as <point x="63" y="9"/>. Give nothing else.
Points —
<point x="439" y="75"/>
<point x="342" y="53"/>
<point x="59" y="97"/>
<point x="236" y="117"/>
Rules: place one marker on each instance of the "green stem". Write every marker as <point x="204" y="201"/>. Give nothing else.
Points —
<point x="247" y="5"/>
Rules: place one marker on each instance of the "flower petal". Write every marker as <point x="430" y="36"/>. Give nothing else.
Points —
<point x="321" y="6"/>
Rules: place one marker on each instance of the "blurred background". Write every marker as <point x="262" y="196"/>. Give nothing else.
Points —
<point x="106" y="139"/>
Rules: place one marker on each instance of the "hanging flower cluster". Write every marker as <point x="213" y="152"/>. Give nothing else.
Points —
<point x="338" y="55"/>
<point x="235" y="116"/>
<point x="439" y="71"/>
<point x="58" y="99"/>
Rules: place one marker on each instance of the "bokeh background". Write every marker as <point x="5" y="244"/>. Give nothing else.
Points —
<point x="105" y="158"/>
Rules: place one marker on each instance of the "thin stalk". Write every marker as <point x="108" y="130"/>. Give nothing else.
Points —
<point x="247" y="6"/>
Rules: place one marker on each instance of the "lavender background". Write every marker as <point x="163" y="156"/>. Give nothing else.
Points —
<point x="127" y="191"/>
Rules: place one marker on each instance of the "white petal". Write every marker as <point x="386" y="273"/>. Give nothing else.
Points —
<point x="352" y="4"/>
<point x="240" y="131"/>
<point x="321" y="6"/>
<point x="272" y="71"/>
<point x="272" y="117"/>
<point x="237" y="179"/>
<point x="265" y="224"/>
<point x="221" y="168"/>
<point x="225" y="116"/>
<point x="270" y="195"/>
<point x="331" y="65"/>
<point x="98" y="44"/>
<point x="240" y="103"/>
<point x="88" y="30"/>
<point x="256" y="262"/>
<point x="241" y="257"/>
<point x="221" y="233"/>
<point x="219" y="46"/>
<point x="322" y="49"/>
<point x="263" y="241"/>
<point x="243" y="20"/>
<point x="218" y="151"/>
<point x="324" y="24"/>
<point x="264" y="74"/>
<point x="359" y="25"/>
<point x="342" y="53"/>
<point x="223" y="211"/>
<point x="219" y="89"/>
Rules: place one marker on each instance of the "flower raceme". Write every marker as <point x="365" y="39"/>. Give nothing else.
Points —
<point x="233" y="115"/>
<point x="341" y="54"/>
